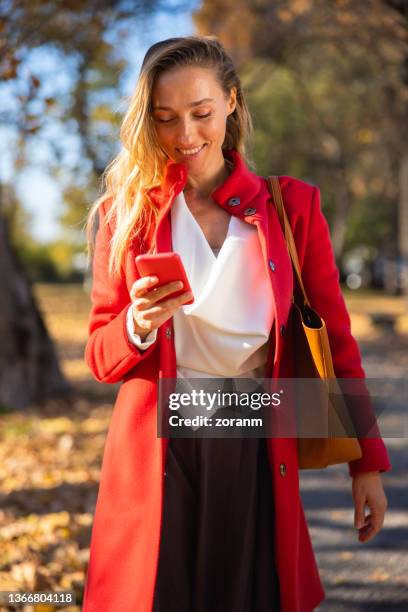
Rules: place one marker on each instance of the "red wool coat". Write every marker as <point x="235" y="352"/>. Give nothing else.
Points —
<point x="126" y="530"/>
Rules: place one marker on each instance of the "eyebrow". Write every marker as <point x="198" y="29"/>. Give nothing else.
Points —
<point x="192" y="104"/>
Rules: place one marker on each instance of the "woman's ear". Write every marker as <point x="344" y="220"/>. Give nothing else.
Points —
<point x="232" y="102"/>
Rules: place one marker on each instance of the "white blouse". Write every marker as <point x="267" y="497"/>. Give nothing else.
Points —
<point x="225" y="331"/>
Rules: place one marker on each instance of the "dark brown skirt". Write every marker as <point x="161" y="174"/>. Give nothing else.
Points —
<point x="217" y="538"/>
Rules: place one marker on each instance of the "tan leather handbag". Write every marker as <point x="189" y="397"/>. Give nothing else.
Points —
<point x="313" y="359"/>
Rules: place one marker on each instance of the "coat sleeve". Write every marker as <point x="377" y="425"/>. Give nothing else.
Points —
<point x="109" y="352"/>
<point x="321" y="279"/>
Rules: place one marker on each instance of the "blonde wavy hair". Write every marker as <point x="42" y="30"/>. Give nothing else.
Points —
<point x="141" y="163"/>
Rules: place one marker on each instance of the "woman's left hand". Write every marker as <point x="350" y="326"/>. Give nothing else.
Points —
<point x="368" y="490"/>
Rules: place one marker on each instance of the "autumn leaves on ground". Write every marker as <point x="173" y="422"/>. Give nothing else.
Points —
<point x="50" y="456"/>
<point x="50" y="460"/>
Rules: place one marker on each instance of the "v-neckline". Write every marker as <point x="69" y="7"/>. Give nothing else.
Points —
<point x="209" y="248"/>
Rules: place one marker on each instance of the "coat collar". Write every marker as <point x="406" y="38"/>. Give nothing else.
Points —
<point x="235" y="194"/>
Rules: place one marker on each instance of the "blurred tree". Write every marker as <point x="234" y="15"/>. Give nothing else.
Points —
<point x="323" y="79"/>
<point x="29" y="370"/>
<point x="89" y="38"/>
<point x="401" y="8"/>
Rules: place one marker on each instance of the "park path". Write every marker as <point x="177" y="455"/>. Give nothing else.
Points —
<point x="372" y="576"/>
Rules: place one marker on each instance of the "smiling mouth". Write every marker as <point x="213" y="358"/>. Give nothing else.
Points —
<point x="192" y="152"/>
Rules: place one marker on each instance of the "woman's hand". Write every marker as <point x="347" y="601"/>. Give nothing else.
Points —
<point x="147" y="314"/>
<point x="368" y="490"/>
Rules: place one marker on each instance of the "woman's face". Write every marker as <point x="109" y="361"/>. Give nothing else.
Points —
<point x="190" y="113"/>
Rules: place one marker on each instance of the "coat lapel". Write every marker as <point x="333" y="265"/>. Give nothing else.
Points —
<point x="277" y="260"/>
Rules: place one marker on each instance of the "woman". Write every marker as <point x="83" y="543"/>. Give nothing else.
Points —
<point x="205" y="525"/>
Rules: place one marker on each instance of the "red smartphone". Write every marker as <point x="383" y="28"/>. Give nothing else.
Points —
<point x="168" y="267"/>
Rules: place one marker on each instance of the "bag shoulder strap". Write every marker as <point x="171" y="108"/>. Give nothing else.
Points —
<point x="276" y="192"/>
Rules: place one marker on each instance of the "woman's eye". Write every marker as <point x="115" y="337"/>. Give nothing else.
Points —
<point x="197" y="117"/>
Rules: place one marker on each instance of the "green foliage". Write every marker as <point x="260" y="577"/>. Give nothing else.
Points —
<point x="48" y="263"/>
<point x="326" y="87"/>
<point x="370" y="223"/>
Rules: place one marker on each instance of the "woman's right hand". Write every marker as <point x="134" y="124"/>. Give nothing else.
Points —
<point x="147" y="313"/>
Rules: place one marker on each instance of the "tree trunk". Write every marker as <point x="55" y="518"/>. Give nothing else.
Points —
<point x="29" y="369"/>
<point x="342" y="207"/>
<point x="401" y="7"/>
<point x="403" y="218"/>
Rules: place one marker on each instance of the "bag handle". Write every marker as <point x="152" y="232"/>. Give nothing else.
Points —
<point x="274" y="188"/>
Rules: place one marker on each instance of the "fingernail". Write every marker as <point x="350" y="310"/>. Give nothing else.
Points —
<point x="180" y="284"/>
<point x="153" y="279"/>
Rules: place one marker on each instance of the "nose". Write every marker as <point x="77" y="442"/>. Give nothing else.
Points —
<point x="185" y="135"/>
